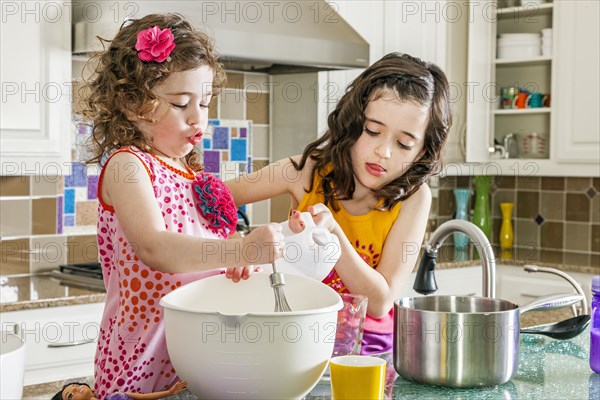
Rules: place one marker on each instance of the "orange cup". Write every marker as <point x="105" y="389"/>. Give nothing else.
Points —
<point x="521" y="100"/>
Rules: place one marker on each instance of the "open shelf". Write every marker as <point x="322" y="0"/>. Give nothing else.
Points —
<point x="517" y="111"/>
<point x="521" y="61"/>
<point x="525" y="11"/>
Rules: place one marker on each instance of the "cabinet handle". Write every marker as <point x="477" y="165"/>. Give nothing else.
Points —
<point x="530" y="295"/>
<point x="70" y="344"/>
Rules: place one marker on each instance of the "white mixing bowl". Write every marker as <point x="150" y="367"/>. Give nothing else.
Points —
<point x="226" y="341"/>
<point x="12" y="366"/>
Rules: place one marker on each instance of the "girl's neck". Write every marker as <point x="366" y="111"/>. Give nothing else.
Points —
<point x="363" y="201"/>
<point x="172" y="161"/>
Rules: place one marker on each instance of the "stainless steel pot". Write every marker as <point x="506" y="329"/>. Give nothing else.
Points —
<point x="461" y="341"/>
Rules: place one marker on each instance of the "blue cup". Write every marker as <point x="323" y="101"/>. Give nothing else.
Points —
<point x="536" y="100"/>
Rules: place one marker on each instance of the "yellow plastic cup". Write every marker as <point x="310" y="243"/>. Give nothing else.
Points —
<point x="357" y="377"/>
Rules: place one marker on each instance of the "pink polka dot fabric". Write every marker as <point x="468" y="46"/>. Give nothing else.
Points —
<point x="132" y="353"/>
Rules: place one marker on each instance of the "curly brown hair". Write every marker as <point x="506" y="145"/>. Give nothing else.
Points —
<point x="411" y="79"/>
<point x="121" y="84"/>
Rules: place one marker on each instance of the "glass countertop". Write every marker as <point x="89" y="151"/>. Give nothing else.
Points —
<point x="548" y="369"/>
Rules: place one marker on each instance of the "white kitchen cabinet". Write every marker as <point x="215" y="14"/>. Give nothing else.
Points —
<point x="35" y="71"/>
<point x="435" y="31"/>
<point x="451" y="282"/>
<point x="60" y="341"/>
<point x="577" y="83"/>
<point x="571" y="124"/>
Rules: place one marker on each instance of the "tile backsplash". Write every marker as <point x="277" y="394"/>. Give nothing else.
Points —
<point x="555" y="219"/>
<point x="47" y="221"/>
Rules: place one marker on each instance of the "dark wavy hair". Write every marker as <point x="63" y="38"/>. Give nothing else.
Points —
<point x="411" y="79"/>
<point x="58" y="395"/>
<point x="121" y="84"/>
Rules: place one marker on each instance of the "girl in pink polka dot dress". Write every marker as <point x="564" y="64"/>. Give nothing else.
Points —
<point x="162" y="222"/>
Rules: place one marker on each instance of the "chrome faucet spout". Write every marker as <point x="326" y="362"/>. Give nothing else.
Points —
<point x="568" y="278"/>
<point x="425" y="280"/>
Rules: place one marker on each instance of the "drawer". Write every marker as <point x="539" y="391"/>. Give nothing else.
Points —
<point x="60" y="341"/>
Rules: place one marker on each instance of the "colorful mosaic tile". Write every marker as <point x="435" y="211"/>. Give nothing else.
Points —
<point x="92" y="187"/>
<point x="220" y="139"/>
<point x="87" y="213"/>
<point x="81" y="194"/>
<point x="59" y="215"/>
<point x="212" y="160"/>
<point x="69" y="220"/>
<point x="78" y="177"/>
<point x="230" y="141"/>
<point x="239" y="149"/>
<point x="69" y="201"/>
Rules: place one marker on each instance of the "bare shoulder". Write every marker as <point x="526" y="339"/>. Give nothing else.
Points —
<point x="416" y="206"/>
<point x="124" y="166"/>
<point x="124" y="173"/>
<point x="421" y="195"/>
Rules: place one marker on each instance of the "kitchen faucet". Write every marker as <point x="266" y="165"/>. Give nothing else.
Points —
<point x="568" y="278"/>
<point x="425" y="281"/>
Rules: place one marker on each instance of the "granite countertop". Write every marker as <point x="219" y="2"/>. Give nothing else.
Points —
<point x="548" y="369"/>
<point x="26" y="292"/>
<point x="540" y="375"/>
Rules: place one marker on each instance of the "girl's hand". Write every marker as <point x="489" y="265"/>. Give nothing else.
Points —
<point x="295" y="223"/>
<point x="262" y="246"/>
<point x="322" y="216"/>
<point x="237" y="273"/>
<point x="177" y="388"/>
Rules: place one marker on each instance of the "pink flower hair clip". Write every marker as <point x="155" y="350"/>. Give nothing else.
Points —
<point x="155" y="44"/>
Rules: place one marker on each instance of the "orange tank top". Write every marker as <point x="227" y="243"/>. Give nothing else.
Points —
<point x="367" y="233"/>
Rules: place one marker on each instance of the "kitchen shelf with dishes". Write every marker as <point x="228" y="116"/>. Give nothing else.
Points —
<point x="525" y="60"/>
<point x="527" y="9"/>
<point x="517" y="111"/>
<point x="522" y="69"/>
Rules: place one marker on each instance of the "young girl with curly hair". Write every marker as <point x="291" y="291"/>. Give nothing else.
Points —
<point x="162" y="222"/>
<point x="365" y="180"/>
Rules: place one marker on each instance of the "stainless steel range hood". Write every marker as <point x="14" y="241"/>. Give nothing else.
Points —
<point x="267" y="36"/>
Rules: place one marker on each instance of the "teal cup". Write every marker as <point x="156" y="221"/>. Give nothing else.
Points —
<point x="536" y="100"/>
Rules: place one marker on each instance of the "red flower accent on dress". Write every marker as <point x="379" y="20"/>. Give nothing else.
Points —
<point x="215" y="203"/>
<point x="155" y="44"/>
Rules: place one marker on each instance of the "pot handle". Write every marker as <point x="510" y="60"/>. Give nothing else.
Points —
<point x="551" y="302"/>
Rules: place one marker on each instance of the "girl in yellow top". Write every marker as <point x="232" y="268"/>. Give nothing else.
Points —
<point x="364" y="179"/>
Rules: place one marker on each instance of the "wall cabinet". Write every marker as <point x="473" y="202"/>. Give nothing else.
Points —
<point x="435" y="31"/>
<point x="569" y="127"/>
<point x="35" y="70"/>
<point x="60" y="341"/>
<point x="577" y="83"/>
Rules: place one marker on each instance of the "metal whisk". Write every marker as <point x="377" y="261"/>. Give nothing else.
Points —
<point x="277" y="283"/>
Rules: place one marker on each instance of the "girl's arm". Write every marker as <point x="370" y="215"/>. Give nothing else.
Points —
<point x="176" y="388"/>
<point x="273" y="180"/>
<point x="399" y="256"/>
<point x="127" y="187"/>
